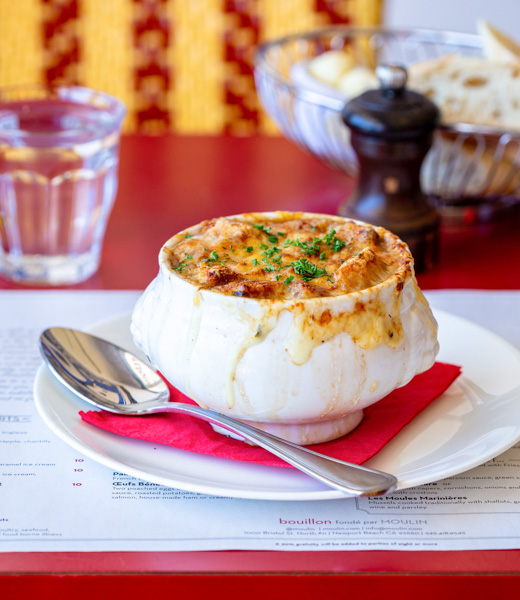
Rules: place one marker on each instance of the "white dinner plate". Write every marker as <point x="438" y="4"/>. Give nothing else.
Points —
<point x="460" y="430"/>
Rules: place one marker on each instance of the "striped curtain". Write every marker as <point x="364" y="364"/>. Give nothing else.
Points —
<point x="182" y="66"/>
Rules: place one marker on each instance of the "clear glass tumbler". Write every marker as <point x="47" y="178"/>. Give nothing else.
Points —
<point x="59" y="154"/>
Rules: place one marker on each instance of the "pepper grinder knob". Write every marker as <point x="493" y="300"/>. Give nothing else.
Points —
<point x="391" y="133"/>
<point x="391" y="77"/>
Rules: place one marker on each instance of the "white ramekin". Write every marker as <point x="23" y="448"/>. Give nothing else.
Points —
<point x="302" y="369"/>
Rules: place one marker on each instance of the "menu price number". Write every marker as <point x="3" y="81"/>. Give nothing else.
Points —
<point x="78" y="468"/>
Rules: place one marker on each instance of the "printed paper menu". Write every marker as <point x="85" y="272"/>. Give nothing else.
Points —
<point x="53" y="498"/>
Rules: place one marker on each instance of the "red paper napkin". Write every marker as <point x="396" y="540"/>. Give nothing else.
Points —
<point x="382" y="422"/>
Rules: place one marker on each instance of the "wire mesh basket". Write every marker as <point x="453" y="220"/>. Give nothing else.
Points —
<point x="471" y="171"/>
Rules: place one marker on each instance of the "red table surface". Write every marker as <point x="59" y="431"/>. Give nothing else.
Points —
<point x="168" y="183"/>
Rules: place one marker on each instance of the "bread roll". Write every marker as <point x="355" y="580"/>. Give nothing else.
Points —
<point x="470" y="89"/>
<point x="497" y="45"/>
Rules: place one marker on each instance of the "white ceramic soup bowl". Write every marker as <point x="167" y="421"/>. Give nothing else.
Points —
<point x="303" y="369"/>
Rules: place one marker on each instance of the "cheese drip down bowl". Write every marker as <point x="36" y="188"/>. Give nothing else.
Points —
<point x="292" y="322"/>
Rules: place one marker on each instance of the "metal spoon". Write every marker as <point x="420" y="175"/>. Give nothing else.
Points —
<point x="116" y="380"/>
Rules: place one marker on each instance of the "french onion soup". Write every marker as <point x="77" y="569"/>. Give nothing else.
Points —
<point x="287" y="257"/>
<point x="291" y="321"/>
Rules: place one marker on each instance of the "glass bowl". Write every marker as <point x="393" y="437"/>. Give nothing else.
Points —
<point x="471" y="171"/>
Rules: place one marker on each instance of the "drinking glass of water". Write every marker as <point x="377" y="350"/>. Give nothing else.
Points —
<point x="59" y="153"/>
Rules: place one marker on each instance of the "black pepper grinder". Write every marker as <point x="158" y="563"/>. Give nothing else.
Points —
<point x="391" y="133"/>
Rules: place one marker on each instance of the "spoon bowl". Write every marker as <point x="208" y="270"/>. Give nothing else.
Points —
<point x="115" y="380"/>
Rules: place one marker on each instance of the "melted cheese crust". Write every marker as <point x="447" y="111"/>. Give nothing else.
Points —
<point x="287" y="256"/>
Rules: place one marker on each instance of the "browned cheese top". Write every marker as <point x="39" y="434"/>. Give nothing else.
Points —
<point x="286" y="255"/>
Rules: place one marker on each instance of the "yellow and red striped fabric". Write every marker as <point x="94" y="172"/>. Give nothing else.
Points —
<point x="184" y="66"/>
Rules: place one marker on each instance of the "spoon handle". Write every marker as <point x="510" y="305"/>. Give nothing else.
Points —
<point x="352" y="479"/>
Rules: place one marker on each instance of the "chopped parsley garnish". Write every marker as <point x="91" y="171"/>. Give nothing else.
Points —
<point x="261" y="227"/>
<point x="306" y="269"/>
<point x="314" y="248"/>
<point x="270" y="252"/>
<point x="180" y="267"/>
<point x="272" y="237"/>
<point x="188" y="235"/>
<point x="333" y="242"/>
<point x="272" y="255"/>
<point x="306" y="247"/>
